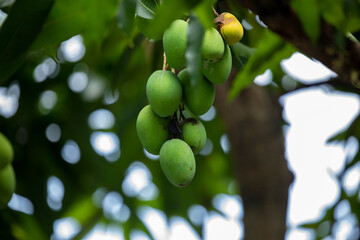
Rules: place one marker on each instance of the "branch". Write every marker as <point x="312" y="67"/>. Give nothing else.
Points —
<point x="283" y="20"/>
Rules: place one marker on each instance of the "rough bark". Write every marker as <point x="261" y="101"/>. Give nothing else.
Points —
<point x="282" y="19"/>
<point x="254" y="128"/>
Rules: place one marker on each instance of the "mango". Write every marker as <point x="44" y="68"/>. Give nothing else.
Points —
<point x="194" y="134"/>
<point x="218" y="72"/>
<point x="7" y="184"/>
<point x="212" y="46"/>
<point x="230" y="28"/>
<point x="197" y="98"/>
<point x="152" y="130"/>
<point x="6" y="151"/>
<point x="174" y="43"/>
<point x="164" y="92"/>
<point x="177" y="162"/>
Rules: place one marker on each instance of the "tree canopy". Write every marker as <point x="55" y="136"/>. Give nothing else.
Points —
<point x="74" y="75"/>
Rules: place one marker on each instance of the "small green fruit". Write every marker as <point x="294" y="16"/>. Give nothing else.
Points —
<point x="6" y="151"/>
<point x="152" y="130"/>
<point x="199" y="98"/>
<point x="212" y="46"/>
<point x="218" y="72"/>
<point x="230" y="28"/>
<point x="164" y="92"/>
<point x="174" y="42"/>
<point x="177" y="162"/>
<point x="7" y="184"/>
<point x="194" y="134"/>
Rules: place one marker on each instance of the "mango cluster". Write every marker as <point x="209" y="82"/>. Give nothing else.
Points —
<point x="169" y="126"/>
<point x="7" y="175"/>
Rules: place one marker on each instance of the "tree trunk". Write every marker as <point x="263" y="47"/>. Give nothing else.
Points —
<point x="254" y="128"/>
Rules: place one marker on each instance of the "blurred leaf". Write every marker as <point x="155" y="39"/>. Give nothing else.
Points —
<point x="241" y="50"/>
<point x="5" y="3"/>
<point x="205" y="13"/>
<point x="68" y="18"/>
<point x="271" y="50"/>
<point x="146" y="8"/>
<point x="352" y="130"/>
<point x="18" y="33"/>
<point x="27" y="228"/>
<point x="332" y="11"/>
<point x="126" y="15"/>
<point x="308" y="12"/>
<point x="143" y="24"/>
<point x="193" y="54"/>
<point x="352" y="11"/>
<point x="167" y="13"/>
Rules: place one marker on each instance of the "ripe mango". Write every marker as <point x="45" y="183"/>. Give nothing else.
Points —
<point x="212" y="45"/>
<point x="218" y="72"/>
<point x="164" y="92"/>
<point x="177" y="162"/>
<point x="230" y="28"/>
<point x="174" y="43"/>
<point x="197" y="98"/>
<point x="7" y="184"/>
<point x="194" y="134"/>
<point x="152" y="130"/>
<point x="6" y="151"/>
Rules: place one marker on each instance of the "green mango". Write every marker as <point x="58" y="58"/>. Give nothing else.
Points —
<point x="152" y="130"/>
<point x="199" y="98"/>
<point x="218" y="72"/>
<point x="174" y="43"/>
<point x="7" y="184"/>
<point x="6" y="151"/>
<point x="212" y="46"/>
<point x="194" y="134"/>
<point x="164" y="92"/>
<point x="177" y="162"/>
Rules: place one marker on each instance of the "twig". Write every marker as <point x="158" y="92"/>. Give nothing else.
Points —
<point x="215" y="12"/>
<point x="165" y="65"/>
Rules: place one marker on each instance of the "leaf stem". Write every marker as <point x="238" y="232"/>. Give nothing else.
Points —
<point x="215" y="12"/>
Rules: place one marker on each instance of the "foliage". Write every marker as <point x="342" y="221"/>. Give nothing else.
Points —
<point x="123" y="47"/>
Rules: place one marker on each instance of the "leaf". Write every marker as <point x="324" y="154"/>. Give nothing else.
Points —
<point x="205" y="14"/>
<point x="167" y="13"/>
<point x="5" y="3"/>
<point x="241" y="50"/>
<point x="332" y="11"/>
<point x="271" y="50"/>
<point x="69" y="18"/>
<point x="193" y="54"/>
<point x="146" y="8"/>
<point x="19" y="31"/>
<point x="308" y="11"/>
<point x="143" y="24"/>
<point x="126" y="15"/>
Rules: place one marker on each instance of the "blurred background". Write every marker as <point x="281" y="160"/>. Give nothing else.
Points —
<point x="73" y="76"/>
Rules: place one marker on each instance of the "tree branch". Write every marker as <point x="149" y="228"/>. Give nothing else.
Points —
<point x="283" y="20"/>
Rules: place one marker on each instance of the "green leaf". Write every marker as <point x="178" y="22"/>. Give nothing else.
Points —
<point x="241" y="50"/>
<point x="167" y="13"/>
<point x="146" y="8"/>
<point x="332" y="11"/>
<point x="91" y="18"/>
<point x="19" y="31"/>
<point x="126" y="15"/>
<point x="308" y="11"/>
<point x="205" y="14"/>
<point x="143" y="24"/>
<point x="271" y="50"/>
<point x="193" y="54"/>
